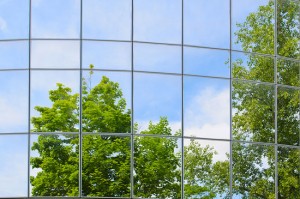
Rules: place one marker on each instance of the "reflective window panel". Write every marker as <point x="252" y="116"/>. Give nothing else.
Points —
<point x="13" y="167"/>
<point x="157" y="167"/>
<point x="55" y="19"/>
<point x="288" y="107"/>
<point x="206" y="107"/>
<point x="157" y="101"/>
<point x="253" y="26"/>
<point x="55" y="54"/>
<point x="54" y="101"/>
<point x="252" y="67"/>
<point x="106" y="102"/>
<point x="14" y="101"/>
<point x="206" y="169"/>
<point x="157" y="58"/>
<point x="110" y="20"/>
<point x="206" y="23"/>
<point x="54" y="160"/>
<point x="288" y="28"/>
<point x="107" y="55"/>
<point x="206" y="62"/>
<point x="253" y="171"/>
<point x="288" y="72"/>
<point x="106" y="166"/>
<point x="253" y="111"/>
<point x="288" y="172"/>
<point x="14" y="19"/>
<point x="158" y="21"/>
<point x="14" y="54"/>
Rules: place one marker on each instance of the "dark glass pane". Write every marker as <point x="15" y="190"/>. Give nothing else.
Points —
<point x="157" y="167"/>
<point x="253" y="171"/>
<point x="206" y="169"/>
<point x="253" y="114"/>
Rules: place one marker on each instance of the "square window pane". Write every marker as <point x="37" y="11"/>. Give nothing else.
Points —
<point x="206" y="62"/>
<point x="252" y="67"/>
<point x="14" y="19"/>
<point x="157" y="58"/>
<point x="54" y="101"/>
<point x="253" y="171"/>
<point x="253" y="114"/>
<point x="253" y="26"/>
<point x="106" y="102"/>
<point x="13" y="167"/>
<point x="106" y="166"/>
<point x="109" y="20"/>
<point x="157" y="167"/>
<point x="201" y="117"/>
<point x="14" y="54"/>
<point x="54" y="161"/>
<point x="288" y="172"/>
<point x="288" y="72"/>
<point x="55" y="54"/>
<point x="206" y="169"/>
<point x="55" y="18"/>
<point x="288" y="116"/>
<point x="158" y="21"/>
<point x="157" y="99"/>
<point x="288" y="28"/>
<point x="14" y="101"/>
<point x="206" y="23"/>
<point x="107" y="55"/>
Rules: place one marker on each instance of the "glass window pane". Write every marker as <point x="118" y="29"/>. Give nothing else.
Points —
<point x="14" y="54"/>
<point x="157" y="58"/>
<point x="206" y="62"/>
<point x="54" y="160"/>
<point x="206" y="169"/>
<point x="55" y="54"/>
<point x="206" y="23"/>
<point x="252" y="67"/>
<point x="253" y="171"/>
<point x="106" y="166"/>
<point x="14" y="101"/>
<point x="201" y="117"/>
<point x="288" y="115"/>
<point x="157" y="167"/>
<point x="253" y="26"/>
<point x="13" y="167"/>
<point x="14" y="19"/>
<point x="288" y="72"/>
<point x="253" y="112"/>
<point x="55" y="18"/>
<point x="109" y="20"/>
<point x="288" y="172"/>
<point x="288" y="28"/>
<point x="107" y="55"/>
<point x="158" y="21"/>
<point x="106" y="102"/>
<point x="54" y="101"/>
<point x="157" y="99"/>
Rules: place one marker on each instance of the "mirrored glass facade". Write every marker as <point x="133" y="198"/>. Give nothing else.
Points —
<point x="174" y="99"/>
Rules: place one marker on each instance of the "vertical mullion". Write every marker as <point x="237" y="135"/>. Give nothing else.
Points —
<point x="80" y="108"/>
<point x="132" y="104"/>
<point x="230" y="89"/>
<point x="182" y="99"/>
<point x="276" y="99"/>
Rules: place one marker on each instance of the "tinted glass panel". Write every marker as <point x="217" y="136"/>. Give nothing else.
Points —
<point x="14" y="101"/>
<point x="157" y="58"/>
<point x="164" y="26"/>
<point x="253" y="112"/>
<point x="157" y="98"/>
<point x="14" y="54"/>
<point x="104" y="19"/>
<point x="55" y="18"/>
<point x="206" y="23"/>
<point x="201" y="117"/>
<point x="206" y="62"/>
<point x="288" y="72"/>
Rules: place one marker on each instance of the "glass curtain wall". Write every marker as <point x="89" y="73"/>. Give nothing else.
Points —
<point x="150" y="99"/>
